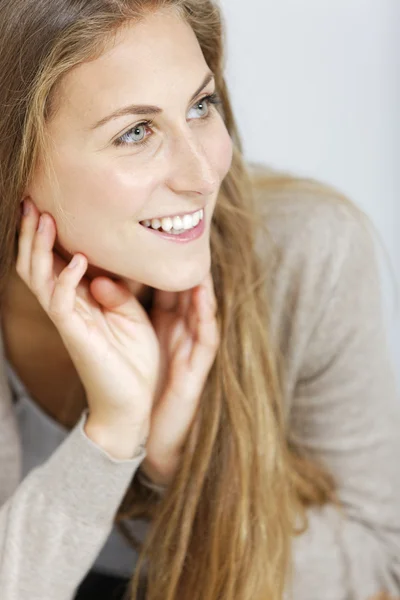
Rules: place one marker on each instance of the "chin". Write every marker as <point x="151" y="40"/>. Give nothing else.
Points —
<point x="183" y="279"/>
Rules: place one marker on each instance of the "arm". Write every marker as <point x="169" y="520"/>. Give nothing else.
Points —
<point x="344" y="409"/>
<point x="54" y="525"/>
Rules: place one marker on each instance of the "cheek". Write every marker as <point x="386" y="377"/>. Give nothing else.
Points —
<point x="102" y="191"/>
<point x="117" y="191"/>
<point x="94" y="200"/>
<point x="220" y="151"/>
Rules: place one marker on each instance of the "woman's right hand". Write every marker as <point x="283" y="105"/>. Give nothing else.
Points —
<point x="105" y="329"/>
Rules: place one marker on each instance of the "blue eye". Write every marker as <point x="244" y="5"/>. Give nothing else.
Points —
<point x="206" y="102"/>
<point x="136" y="136"/>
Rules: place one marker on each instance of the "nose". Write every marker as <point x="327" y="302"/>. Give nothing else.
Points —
<point x="191" y="171"/>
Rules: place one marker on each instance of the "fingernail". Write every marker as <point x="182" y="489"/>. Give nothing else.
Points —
<point x="185" y="348"/>
<point x="26" y="207"/>
<point x="41" y="224"/>
<point x="211" y="300"/>
<point x="74" y="262"/>
<point x="207" y="294"/>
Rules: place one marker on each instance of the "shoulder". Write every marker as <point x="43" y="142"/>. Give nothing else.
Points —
<point x="319" y="257"/>
<point x="308" y="225"/>
<point x="305" y="210"/>
<point x="10" y="443"/>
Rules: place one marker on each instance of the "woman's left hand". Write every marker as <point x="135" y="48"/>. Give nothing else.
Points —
<point x="187" y="329"/>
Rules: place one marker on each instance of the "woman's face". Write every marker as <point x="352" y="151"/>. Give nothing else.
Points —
<point x="114" y="175"/>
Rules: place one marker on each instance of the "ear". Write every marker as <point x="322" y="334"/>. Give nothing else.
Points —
<point x="32" y="189"/>
<point x="31" y="193"/>
<point x="28" y="192"/>
<point x="25" y="196"/>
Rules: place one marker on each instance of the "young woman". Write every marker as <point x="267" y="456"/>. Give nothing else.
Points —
<point x="194" y="365"/>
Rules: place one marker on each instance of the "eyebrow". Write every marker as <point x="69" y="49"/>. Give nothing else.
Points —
<point x="143" y="109"/>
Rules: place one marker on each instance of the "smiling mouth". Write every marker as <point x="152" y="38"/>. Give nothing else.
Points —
<point x="175" y="225"/>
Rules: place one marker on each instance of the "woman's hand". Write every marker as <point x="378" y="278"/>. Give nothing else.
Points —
<point x="106" y="331"/>
<point x="188" y="334"/>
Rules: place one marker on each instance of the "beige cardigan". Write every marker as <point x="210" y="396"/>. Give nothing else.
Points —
<point x="341" y="404"/>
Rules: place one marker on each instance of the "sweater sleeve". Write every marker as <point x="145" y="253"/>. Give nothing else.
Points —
<point x="344" y="408"/>
<point x="56" y="522"/>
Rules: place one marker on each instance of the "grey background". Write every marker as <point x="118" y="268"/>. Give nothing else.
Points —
<point x="315" y="86"/>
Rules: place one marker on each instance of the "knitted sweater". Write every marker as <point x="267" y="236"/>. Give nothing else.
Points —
<point x="340" y="403"/>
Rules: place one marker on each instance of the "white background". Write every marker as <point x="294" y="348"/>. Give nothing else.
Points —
<point x="315" y="87"/>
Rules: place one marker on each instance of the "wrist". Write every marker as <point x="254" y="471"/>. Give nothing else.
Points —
<point x="149" y="484"/>
<point x="152" y="477"/>
<point x="121" y="440"/>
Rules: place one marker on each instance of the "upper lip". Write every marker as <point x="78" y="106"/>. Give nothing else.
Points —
<point x="182" y="214"/>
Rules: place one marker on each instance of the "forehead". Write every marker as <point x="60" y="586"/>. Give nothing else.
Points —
<point x="159" y="54"/>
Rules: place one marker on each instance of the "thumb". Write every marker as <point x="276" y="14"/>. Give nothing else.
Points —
<point x="116" y="297"/>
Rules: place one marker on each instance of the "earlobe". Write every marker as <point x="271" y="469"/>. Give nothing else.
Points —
<point x="21" y="211"/>
<point x="25" y="196"/>
<point x="22" y="203"/>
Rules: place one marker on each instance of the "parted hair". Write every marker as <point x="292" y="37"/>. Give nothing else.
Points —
<point x="223" y="530"/>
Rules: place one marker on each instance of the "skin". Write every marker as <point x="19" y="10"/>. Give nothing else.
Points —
<point x="160" y="361"/>
<point x="105" y="191"/>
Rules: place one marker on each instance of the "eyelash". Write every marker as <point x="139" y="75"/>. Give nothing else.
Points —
<point x="212" y="99"/>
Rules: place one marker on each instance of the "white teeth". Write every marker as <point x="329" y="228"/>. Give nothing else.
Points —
<point x="156" y="223"/>
<point x="175" y="225"/>
<point x="166" y="224"/>
<point x="187" y="222"/>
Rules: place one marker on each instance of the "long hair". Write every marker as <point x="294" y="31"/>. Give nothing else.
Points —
<point x="223" y="530"/>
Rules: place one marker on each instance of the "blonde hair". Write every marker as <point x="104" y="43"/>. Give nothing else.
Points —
<point x="224" y="528"/>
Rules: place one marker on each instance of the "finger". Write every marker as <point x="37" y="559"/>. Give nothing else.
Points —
<point x="177" y="334"/>
<point x="206" y="307"/>
<point x="208" y="285"/>
<point x="59" y="263"/>
<point x="167" y="301"/>
<point x="29" y="223"/>
<point x="42" y="274"/>
<point x="184" y="301"/>
<point x="202" y="309"/>
<point x="116" y="297"/>
<point x="62" y="303"/>
<point x="205" y="330"/>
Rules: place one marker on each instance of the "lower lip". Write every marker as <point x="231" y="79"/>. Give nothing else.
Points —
<point x="182" y="238"/>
